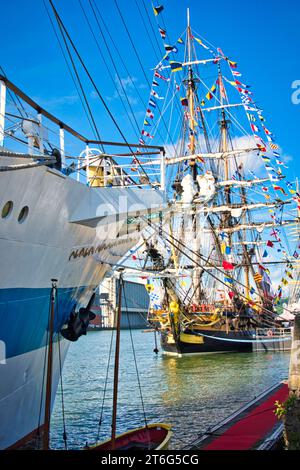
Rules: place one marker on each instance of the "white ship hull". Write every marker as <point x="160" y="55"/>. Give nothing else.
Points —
<point x="22" y="402"/>
<point x="65" y="236"/>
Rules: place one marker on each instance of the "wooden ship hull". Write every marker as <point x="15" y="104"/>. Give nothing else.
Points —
<point x="201" y="339"/>
<point x="191" y="342"/>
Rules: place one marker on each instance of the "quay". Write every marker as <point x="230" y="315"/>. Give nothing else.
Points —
<point x="254" y="427"/>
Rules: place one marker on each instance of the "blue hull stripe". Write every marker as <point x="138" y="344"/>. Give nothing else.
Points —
<point x="24" y="316"/>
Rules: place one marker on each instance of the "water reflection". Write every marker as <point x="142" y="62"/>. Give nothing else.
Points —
<point x="191" y="392"/>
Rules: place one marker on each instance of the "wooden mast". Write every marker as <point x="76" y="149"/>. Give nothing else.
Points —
<point x="224" y="144"/>
<point x="190" y="91"/>
<point x="192" y="148"/>
<point x="116" y="369"/>
<point x="46" y="433"/>
<point x="224" y="148"/>
<point x="247" y="257"/>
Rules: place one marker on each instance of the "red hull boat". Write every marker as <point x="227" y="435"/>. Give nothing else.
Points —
<point x="152" y="437"/>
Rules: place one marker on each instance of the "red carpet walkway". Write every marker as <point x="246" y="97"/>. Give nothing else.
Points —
<point x="252" y="428"/>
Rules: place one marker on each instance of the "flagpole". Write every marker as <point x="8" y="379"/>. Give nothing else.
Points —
<point x="189" y="30"/>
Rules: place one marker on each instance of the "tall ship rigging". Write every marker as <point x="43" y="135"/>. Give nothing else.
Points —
<point x="72" y="206"/>
<point x="210" y="265"/>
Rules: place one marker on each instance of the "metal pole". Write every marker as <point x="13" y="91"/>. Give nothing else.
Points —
<point x="46" y="433"/>
<point x="116" y="371"/>
<point x="2" y="111"/>
<point x="189" y="31"/>
<point x="41" y="133"/>
<point x="162" y="170"/>
<point x="292" y="405"/>
<point x="62" y="146"/>
<point x="31" y="145"/>
<point x="87" y="149"/>
<point x="294" y="374"/>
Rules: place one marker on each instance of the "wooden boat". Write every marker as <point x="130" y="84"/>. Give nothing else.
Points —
<point x="152" y="437"/>
<point x="197" y="340"/>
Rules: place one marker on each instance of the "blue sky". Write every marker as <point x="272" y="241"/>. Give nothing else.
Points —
<point x="263" y="37"/>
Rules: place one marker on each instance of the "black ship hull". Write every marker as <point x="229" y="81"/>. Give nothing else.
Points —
<point x="212" y="341"/>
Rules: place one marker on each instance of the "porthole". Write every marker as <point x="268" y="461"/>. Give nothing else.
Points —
<point x="23" y="214"/>
<point x="7" y="209"/>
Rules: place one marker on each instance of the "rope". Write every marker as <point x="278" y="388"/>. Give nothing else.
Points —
<point x="133" y="83"/>
<point x="117" y="51"/>
<point x="65" y="33"/>
<point x="105" y="386"/>
<point x="21" y="109"/>
<point x="136" y="130"/>
<point x="155" y="350"/>
<point x="203" y="259"/>
<point x="179" y="108"/>
<point x="147" y="30"/>
<point x="173" y="240"/>
<point x="142" y="68"/>
<point x="87" y="72"/>
<point x="61" y="379"/>
<point x="69" y="69"/>
<point x="43" y="379"/>
<point x="25" y="166"/>
<point x="134" y="355"/>
<point x="65" y="437"/>
<point x="7" y="153"/>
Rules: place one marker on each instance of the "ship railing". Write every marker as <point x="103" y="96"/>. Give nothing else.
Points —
<point x="273" y="332"/>
<point x="28" y="130"/>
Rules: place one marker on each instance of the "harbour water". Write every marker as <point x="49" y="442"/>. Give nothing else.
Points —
<point x="192" y="393"/>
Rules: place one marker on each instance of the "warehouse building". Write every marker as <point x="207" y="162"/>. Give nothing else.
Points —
<point x="135" y="303"/>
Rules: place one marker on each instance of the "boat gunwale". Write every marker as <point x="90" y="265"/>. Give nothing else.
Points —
<point x="161" y="446"/>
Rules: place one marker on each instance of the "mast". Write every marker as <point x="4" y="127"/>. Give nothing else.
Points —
<point x="190" y="96"/>
<point x="116" y="370"/>
<point x="227" y="219"/>
<point x="224" y="141"/>
<point x="46" y="433"/>
<point x="247" y="257"/>
<point x="192" y="148"/>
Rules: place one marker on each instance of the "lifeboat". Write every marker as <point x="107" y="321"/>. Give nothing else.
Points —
<point x="151" y="437"/>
